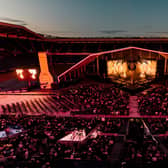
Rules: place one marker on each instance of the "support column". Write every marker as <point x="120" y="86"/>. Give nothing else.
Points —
<point x="84" y="68"/>
<point x="45" y="78"/>
<point x="70" y="76"/>
<point x="97" y="65"/>
<point x="75" y="74"/>
<point x="78" y="73"/>
<point x="165" y="67"/>
<point x="64" y="78"/>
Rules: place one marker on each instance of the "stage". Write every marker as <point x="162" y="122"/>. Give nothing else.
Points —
<point x="126" y="84"/>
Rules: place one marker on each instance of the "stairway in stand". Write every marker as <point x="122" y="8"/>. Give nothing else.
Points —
<point x="133" y="107"/>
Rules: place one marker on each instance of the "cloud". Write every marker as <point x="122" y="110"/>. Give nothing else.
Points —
<point x="113" y="31"/>
<point x="16" y="21"/>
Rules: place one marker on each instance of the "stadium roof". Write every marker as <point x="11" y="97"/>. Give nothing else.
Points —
<point x="17" y="31"/>
<point x="21" y="32"/>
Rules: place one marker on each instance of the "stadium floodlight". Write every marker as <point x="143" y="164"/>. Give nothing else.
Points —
<point x="33" y="73"/>
<point x="19" y="73"/>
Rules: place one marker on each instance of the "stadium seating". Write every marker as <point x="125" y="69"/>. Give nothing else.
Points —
<point x="154" y="102"/>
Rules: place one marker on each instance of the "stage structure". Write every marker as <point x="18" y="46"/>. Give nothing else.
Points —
<point x="129" y="65"/>
<point x="120" y="63"/>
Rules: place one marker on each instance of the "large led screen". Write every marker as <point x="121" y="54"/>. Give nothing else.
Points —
<point x="142" y="69"/>
<point x="147" y="67"/>
<point x="117" y="68"/>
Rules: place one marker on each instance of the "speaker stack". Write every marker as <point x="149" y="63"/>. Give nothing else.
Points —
<point x="160" y="69"/>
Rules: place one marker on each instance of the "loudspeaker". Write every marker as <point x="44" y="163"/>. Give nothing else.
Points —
<point x="160" y="68"/>
<point x="103" y="67"/>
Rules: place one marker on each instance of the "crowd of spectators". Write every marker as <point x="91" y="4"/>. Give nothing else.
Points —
<point x="154" y="102"/>
<point x="157" y="126"/>
<point x="149" y="152"/>
<point x="38" y="141"/>
<point x="98" y="99"/>
<point x="164" y="140"/>
<point x="113" y="125"/>
<point x="83" y="99"/>
<point x="141" y="149"/>
<point x="99" y="148"/>
<point x="39" y="144"/>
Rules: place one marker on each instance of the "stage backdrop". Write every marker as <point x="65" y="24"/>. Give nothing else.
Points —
<point x="142" y="68"/>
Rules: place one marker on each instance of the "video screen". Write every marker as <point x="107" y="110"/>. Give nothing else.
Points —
<point x="147" y="67"/>
<point x="117" y="68"/>
<point x="143" y="68"/>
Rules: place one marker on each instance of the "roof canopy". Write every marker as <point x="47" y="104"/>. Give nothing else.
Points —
<point x="17" y="31"/>
<point x="130" y="53"/>
<point x="21" y="32"/>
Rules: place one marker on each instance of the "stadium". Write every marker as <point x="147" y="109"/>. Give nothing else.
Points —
<point x="82" y="102"/>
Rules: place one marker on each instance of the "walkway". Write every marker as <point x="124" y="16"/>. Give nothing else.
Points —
<point x="133" y="107"/>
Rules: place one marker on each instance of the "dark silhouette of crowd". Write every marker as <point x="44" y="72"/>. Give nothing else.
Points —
<point x="158" y="126"/>
<point x="148" y="153"/>
<point x="141" y="149"/>
<point x="113" y="125"/>
<point x="39" y="144"/>
<point x="99" y="148"/>
<point x="98" y="99"/>
<point x="81" y="99"/>
<point x="154" y="102"/>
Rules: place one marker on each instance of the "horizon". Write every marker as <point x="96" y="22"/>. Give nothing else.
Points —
<point x="96" y="18"/>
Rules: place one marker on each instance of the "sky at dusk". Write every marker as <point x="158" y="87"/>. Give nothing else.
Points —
<point x="89" y="18"/>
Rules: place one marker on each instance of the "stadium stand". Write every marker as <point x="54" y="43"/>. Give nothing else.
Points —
<point x="88" y="122"/>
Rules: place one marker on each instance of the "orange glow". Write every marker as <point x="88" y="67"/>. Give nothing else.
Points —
<point x="147" y="67"/>
<point x="117" y="67"/>
<point x="33" y="73"/>
<point x="19" y="73"/>
<point x="143" y="69"/>
<point x="45" y="76"/>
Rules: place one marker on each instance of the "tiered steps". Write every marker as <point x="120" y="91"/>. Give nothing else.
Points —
<point x="133" y="107"/>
